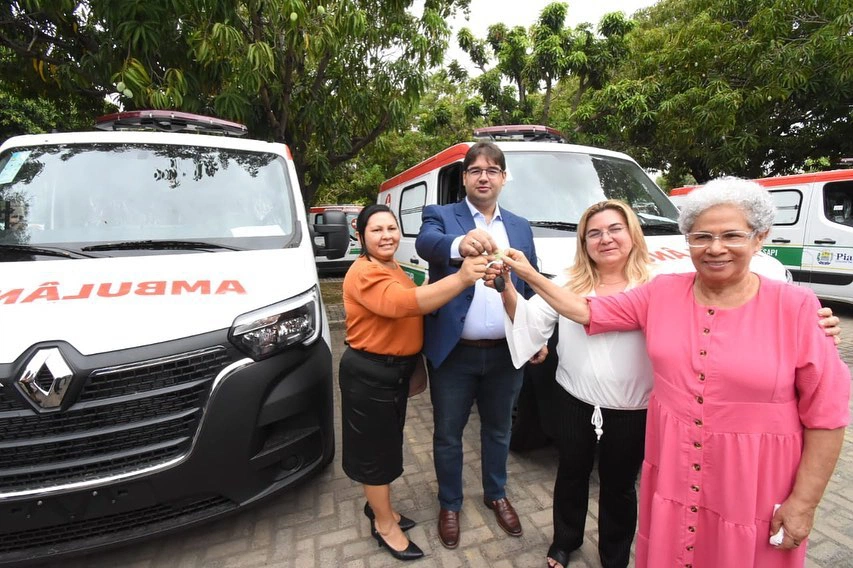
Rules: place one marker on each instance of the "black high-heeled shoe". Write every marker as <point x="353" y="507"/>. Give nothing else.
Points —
<point x="405" y="522"/>
<point x="412" y="552"/>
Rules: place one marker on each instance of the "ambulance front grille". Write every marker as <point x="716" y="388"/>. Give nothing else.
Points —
<point x="126" y="418"/>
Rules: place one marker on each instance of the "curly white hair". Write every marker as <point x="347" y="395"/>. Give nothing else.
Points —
<point x="751" y="198"/>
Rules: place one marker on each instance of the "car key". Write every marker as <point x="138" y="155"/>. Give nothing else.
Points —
<point x="499" y="282"/>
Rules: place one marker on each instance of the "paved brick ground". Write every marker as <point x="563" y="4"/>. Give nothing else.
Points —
<point x="321" y="524"/>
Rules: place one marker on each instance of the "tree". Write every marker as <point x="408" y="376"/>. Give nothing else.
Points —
<point x="732" y="87"/>
<point x="325" y="76"/>
<point x="534" y="61"/>
<point x="31" y="109"/>
<point x="447" y="114"/>
<point x="549" y="57"/>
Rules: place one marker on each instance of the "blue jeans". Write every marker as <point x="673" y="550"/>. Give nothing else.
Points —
<point x="487" y="376"/>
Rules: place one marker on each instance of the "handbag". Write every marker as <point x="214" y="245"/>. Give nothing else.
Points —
<point x="420" y="376"/>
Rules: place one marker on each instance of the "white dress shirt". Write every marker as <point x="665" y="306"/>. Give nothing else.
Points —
<point x="485" y="317"/>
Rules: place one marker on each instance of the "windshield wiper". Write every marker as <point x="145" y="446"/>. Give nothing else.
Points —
<point x="555" y="225"/>
<point x="44" y="251"/>
<point x="660" y="229"/>
<point x="158" y="245"/>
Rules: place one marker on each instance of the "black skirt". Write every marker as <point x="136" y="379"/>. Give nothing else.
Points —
<point x="374" y="395"/>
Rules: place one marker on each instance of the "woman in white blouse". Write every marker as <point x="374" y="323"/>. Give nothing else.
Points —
<point x="605" y="380"/>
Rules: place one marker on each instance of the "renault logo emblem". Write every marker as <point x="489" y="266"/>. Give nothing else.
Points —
<point x="58" y="369"/>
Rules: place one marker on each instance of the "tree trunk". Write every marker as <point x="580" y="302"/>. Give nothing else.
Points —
<point x="308" y="190"/>
<point x="699" y="170"/>
<point x="522" y="96"/>
<point x="546" y="102"/>
<point x="582" y="87"/>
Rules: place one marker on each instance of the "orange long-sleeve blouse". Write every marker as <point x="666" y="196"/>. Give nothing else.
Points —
<point x="382" y="312"/>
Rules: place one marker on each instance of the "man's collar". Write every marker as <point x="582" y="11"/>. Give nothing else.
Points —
<point x="474" y="211"/>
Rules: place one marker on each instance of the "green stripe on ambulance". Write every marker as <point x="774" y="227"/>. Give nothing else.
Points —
<point x="417" y="275"/>
<point x="789" y="256"/>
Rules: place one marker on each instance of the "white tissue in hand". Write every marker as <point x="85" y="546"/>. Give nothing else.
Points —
<point x="776" y="539"/>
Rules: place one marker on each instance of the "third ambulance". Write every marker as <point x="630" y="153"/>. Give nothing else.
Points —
<point x="317" y="216"/>
<point x="813" y="231"/>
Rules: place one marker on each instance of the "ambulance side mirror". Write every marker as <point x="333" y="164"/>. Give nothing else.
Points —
<point x="334" y="229"/>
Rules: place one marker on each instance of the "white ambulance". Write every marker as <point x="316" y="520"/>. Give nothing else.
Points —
<point x="164" y="353"/>
<point x="550" y="183"/>
<point x="813" y="231"/>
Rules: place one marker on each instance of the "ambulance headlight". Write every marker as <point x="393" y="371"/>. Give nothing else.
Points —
<point x="267" y="331"/>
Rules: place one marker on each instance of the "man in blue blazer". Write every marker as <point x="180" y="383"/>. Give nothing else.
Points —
<point x="465" y="341"/>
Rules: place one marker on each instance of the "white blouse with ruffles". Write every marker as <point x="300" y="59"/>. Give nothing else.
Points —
<point x="609" y="370"/>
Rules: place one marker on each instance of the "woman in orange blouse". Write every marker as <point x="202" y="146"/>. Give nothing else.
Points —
<point x="384" y="327"/>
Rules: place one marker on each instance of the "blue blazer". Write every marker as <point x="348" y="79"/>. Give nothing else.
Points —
<point x="441" y="225"/>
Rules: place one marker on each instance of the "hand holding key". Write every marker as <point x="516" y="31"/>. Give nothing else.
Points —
<point x="477" y="242"/>
<point x="516" y="261"/>
<point x="495" y="273"/>
<point x="473" y="268"/>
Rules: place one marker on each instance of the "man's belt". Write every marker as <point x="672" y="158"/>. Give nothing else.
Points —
<point x="483" y="343"/>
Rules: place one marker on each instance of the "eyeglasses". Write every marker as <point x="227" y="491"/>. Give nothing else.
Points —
<point x="702" y="239"/>
<point x="613" y="231"/>
<point x="491" y="172"/>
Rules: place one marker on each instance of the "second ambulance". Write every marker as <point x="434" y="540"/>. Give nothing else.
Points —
<point x="550" y="183"/>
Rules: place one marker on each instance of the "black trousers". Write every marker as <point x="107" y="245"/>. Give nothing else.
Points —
<point x="620" y="456"/>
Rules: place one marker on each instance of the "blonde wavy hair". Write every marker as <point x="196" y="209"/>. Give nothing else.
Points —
<point x="583" y="274"/>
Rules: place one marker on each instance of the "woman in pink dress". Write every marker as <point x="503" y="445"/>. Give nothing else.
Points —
<point x="750" y="398"/>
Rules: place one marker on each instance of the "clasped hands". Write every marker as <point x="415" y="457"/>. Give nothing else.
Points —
<point x="479" y="243"/>
<point x="478" y="246"/>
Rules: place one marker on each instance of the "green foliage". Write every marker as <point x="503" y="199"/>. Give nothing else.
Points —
<point x="535" y="61"/>
<point x="33" y="116"/>
<point x="447" y="114"/>
<point x="668" y="182"/>
<point x="28" y="110"/>
<point x="326" y="76"/>
<point x="695" y="88"/>
<point x="737" y="87"/>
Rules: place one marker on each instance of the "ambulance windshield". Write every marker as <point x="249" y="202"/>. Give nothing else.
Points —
<point x="557" y="186"/>
<point x="76" y="195"/>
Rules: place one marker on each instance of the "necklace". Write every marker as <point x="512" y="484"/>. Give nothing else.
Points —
<point x="612" y="283"/>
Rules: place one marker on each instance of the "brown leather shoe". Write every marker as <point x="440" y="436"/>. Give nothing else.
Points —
<point x="506" y="516"/>
<point x="448" y="528"/>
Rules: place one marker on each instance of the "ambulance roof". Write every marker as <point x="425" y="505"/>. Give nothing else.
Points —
<point x="148" y="137"/>
<point x="457" y="152"/>
<point x="775" y="181"/>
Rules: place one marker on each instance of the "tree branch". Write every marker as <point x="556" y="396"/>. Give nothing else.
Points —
<point x="359" y="143"/>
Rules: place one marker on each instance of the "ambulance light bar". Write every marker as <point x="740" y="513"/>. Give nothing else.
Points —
<point x="519" y="133"/>
<point x="169" y="121"/>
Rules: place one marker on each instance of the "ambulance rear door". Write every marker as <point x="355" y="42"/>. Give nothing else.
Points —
<point x="828" y="250"/>
<point x="813" y="235"/>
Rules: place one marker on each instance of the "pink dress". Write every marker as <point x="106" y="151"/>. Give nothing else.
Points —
<point x="733" y="390"/>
